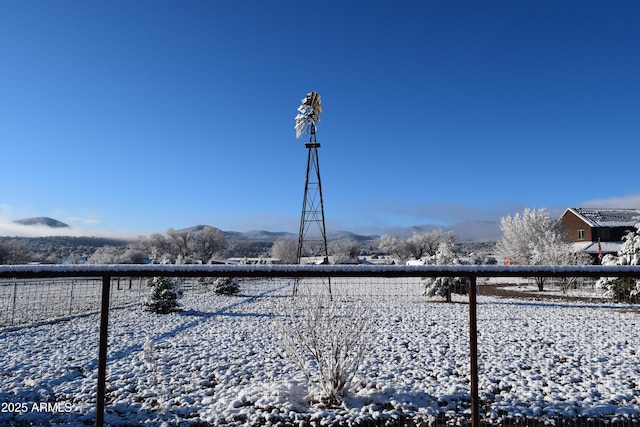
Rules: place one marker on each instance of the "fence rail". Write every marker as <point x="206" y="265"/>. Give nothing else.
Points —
<point x="103" y="282"/>
<point x="130" y="270"/>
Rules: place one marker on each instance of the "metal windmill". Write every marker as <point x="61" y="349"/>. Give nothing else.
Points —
<point x="312" y="239"/>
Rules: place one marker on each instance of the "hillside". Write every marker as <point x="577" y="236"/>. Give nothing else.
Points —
<point x="41" y="221"/>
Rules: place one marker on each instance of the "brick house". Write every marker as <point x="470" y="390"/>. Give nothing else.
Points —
<point x="586" y="227"/>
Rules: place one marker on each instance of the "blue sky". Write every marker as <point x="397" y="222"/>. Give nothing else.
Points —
<point x="129" y="117"/>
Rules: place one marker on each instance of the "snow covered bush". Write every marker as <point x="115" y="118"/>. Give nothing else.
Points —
<point x="226" y="286"/>
<point x="327" y="340"/>
<point x="164" y="295"/>
<point x="445" y="286"/>
<point x="623" y="288"/>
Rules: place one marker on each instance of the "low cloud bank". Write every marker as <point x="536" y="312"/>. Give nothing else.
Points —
<point x="12" y="229"/>
<point x="632" y="201"/>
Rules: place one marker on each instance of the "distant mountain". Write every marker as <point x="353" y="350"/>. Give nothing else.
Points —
<point x="466" y="230"/>
<point x="346" y="235"/>
<point x="477" y="230"/>
<point x="262" y="235"/>
<point x="43" y="221"/>
<point x="272" y="236"/>
<point x="257" y="235"/>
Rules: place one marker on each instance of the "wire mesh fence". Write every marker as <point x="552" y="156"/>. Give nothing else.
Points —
<point x="24" y="301"/>
<point x="355" y="351"/>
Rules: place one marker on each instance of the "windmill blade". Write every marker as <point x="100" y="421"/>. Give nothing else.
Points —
<point x="309" y="114"/>
<point x="299" y="128"/>
<point x="313" y="97"/>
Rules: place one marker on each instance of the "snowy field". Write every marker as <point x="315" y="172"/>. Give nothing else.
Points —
<point x="221" y="362"/>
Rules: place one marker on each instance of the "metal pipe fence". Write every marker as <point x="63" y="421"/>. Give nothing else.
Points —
<point x="494" y="357"/>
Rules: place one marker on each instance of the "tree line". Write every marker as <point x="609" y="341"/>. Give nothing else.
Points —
<point x="532" y="237"/>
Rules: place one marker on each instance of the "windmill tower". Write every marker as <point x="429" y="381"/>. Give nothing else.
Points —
<point x="312" y="239"/>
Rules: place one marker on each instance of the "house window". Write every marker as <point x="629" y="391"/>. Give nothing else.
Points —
<point x="581" y="234"/>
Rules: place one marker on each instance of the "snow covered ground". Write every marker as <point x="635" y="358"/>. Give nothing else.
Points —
<point x="221" y="362"/>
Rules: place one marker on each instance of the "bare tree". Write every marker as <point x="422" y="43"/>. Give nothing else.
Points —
<point x="418" y="246"/>
<point x="207" y="242"/>
<point x="14" y="252"/>
<point x="344" y="251"/>
<point x="285" y="250"/>
<point x="156" y="246"/>
<point x="391" y="245"/>
<point x="180" y="240"/>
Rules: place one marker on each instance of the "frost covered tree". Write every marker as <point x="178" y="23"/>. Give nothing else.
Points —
<point x="157" y="247"/>
<point x="285" y="250"/>
<point x="425" y="244"/>
<point x="15" y="251"/>
<point x="623" y="288"/>
<point x="418" y="246"/>
<point x="183" y="246"/>
<point x="344" y="251"/>
<point x="107" y="255"/>
<point x="534" y="238"/>
<point x="445" y="286"/>
<point x="391" y="245"/>
<point x="205" y="243"/>
<point x="116" y="255"/>
<point x="180" y="242"/>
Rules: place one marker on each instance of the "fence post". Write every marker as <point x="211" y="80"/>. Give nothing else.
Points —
<point x="102" y="351"/>
<point x="473" y="350"/>
<point x="15" y="297"/>
<point x="73" y="282"/>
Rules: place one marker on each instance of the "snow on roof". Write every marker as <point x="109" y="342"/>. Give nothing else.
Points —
<point x="609" y="217"/>
<point x="592" y="247"/>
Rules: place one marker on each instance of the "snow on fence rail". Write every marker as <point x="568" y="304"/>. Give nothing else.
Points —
<point x="221" y="360"/>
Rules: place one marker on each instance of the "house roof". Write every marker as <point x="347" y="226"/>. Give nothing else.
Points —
<point x="592" y="247"/>
<point x="608" y="217"/>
